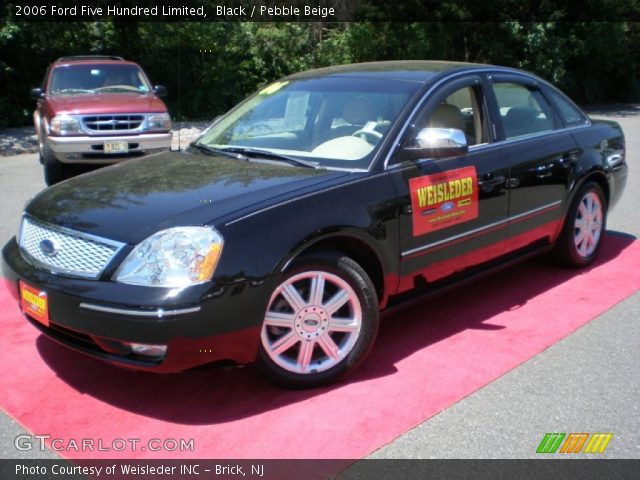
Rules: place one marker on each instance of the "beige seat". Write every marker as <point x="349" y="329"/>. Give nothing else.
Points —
<point x="358" y="111"/>
<point x="450" y="116"/>
<point x="447" y="116"/>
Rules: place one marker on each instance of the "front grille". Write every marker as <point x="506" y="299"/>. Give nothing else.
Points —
<point x="112" y="123"/>
<point x="64" y="251"/>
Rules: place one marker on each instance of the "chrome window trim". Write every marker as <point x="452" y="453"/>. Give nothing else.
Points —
<point x="524" y="138"/>
<point x="396" y="143"/>
<point x="488" y="146"/>
<point x="67" y="231"/>
<point x="157" y="313"/>
<point x="459" y="236"/>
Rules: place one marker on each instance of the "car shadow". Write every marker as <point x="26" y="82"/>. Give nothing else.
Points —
<point x="217" y="395"/>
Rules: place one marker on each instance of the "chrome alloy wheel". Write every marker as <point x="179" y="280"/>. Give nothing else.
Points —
<point x="312" y="323"/>
<point x="588" y="224"/>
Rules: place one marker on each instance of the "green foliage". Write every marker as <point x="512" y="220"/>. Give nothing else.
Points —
<point x="208" y="67"/>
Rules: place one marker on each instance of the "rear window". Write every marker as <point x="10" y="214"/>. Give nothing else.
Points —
<point x="568" y="112"/>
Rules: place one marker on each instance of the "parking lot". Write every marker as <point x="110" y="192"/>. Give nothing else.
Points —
<point x="587" y="382"/>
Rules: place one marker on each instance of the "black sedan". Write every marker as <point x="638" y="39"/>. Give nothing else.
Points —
<point x="322" y="199"/>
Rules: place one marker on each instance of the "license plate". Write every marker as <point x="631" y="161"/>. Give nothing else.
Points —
<point x="116" y="147"/>
<point x="34" y="303"/>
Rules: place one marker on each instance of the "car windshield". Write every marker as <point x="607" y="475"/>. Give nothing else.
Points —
<point x="97" y="78"/>
<point x="335" y="122"/>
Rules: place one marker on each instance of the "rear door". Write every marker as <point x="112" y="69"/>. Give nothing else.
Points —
<point x="453" y="211"/>
<point x="541" y="154"/>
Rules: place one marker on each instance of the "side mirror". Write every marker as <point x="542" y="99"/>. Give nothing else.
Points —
<point x="160" y="91"/>
<point x="438" y="143"/>
<point x="37" y="93"/>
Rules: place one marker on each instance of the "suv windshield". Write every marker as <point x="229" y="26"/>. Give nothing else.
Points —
<point x="97" y="78"/>
<point x="337" y="122"/>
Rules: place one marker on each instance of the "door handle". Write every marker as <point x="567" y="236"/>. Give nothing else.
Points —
<point x="568" y="159"/>
<point x="491" y="182"/>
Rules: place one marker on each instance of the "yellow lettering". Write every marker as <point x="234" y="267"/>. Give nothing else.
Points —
<point x="457" y="189"/>
<point x="445" y="191"/>
<point x="422" y="197"/>
<point x="33" y="299"/>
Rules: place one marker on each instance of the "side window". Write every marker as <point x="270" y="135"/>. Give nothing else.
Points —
<point x="460" y="110"/>
<point x="523" y="111"/>
<point x="569" y="113"/>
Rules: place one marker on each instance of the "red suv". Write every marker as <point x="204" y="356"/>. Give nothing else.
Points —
<point x="97" y="110"/>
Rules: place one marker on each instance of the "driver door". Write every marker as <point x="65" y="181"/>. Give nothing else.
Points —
<point x="453" y="210"/>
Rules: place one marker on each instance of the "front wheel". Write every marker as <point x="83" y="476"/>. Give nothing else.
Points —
<point x="320" y="324"/>
<point x="581" y="238"/>
<point x="54" y="171"/>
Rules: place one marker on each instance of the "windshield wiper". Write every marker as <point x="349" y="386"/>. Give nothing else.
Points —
<point x="218" y="151"/>
<point x="271" y="155"/>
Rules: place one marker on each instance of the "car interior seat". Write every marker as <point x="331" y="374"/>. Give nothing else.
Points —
<point x="520" y="121"/>
<point x="450" y="116"/>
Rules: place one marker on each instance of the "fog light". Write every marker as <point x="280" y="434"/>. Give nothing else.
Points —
<point x="148" y="350"/>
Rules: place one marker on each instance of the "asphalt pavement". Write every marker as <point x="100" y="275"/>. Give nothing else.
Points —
<point x="586" y="382"/>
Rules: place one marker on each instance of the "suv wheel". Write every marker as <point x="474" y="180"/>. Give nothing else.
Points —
<point x="54" y="171"/>
<point x="320" y="324"/>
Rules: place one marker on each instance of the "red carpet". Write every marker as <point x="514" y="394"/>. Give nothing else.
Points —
<point x="426" y="358"/>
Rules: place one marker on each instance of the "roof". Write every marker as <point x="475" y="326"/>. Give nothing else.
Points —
<point x="409" y="70"/>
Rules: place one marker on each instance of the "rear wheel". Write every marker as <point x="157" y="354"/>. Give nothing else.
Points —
<point x="581" y="237"/>
<point x="320" y="324"/>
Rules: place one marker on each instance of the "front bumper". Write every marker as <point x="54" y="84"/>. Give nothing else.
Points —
<point x="90" y="149"/>
<point x="201" y="324"/>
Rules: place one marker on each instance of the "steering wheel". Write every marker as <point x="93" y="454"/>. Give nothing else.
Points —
<point x="364" y="132"/>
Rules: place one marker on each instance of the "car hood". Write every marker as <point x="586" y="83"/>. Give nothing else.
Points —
<point x="131" y="200"/>
<point x="106" y="103"/>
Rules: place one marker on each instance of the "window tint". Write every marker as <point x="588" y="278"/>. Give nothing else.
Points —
<point x="523" y="111"/>
<point x="460" y="110"/>
<point x="570" y="114"/>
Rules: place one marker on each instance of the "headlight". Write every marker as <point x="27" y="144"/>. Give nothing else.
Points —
<point x="63" y="124"/>
<point x="159" y="121"/>
<point x="176" y="257"/>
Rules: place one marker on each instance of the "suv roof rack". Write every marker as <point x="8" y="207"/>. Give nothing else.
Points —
<point x="90" y="57"/>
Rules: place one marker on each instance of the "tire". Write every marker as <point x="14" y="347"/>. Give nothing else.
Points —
<point x="320" y="324"/>
<point x="54" y="171"/>
<point x="581" y="237"/>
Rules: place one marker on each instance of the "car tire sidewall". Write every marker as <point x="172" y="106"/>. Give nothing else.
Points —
<point x="357" y="278"/>
<point x="54" y="171"/>
<point x="566" y="251"/>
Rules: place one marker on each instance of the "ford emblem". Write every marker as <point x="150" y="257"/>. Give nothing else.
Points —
<point x="48" y="247"/>
<point x="446" y="206"/>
